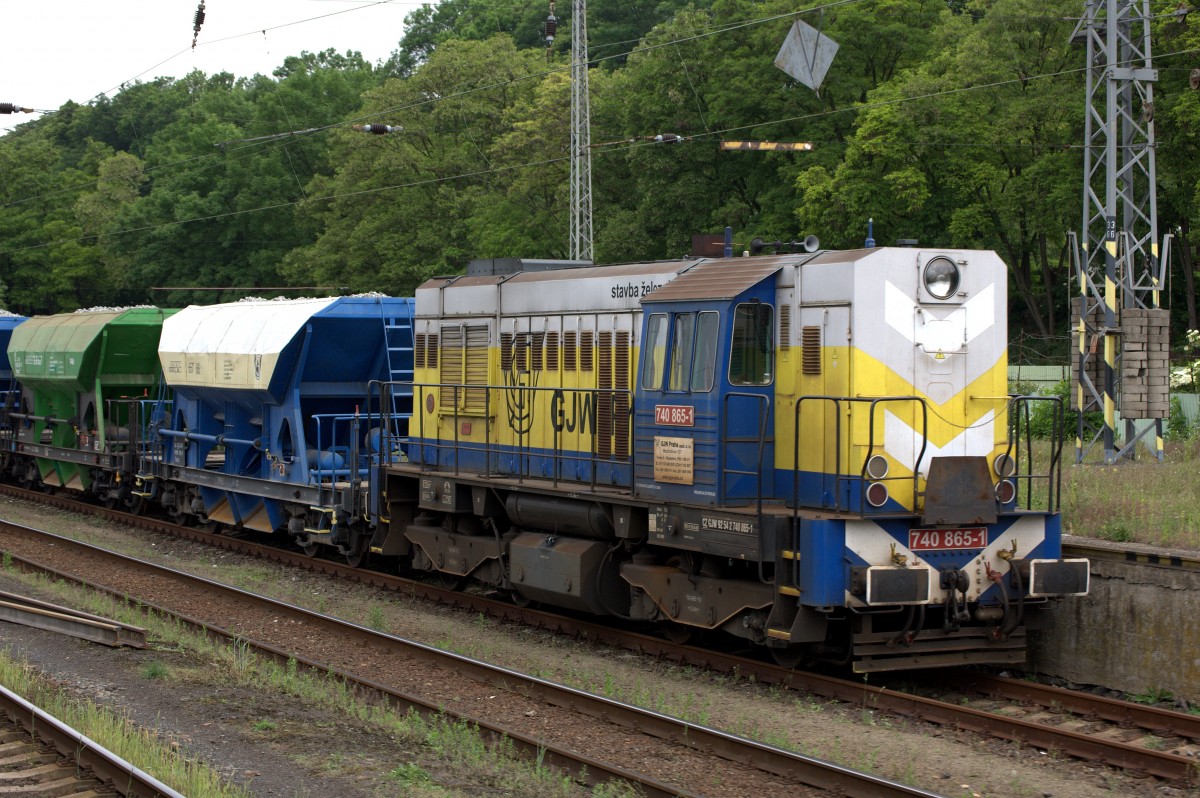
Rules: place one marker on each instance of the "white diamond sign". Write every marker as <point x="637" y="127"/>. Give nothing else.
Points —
<point x="806" y="54"/>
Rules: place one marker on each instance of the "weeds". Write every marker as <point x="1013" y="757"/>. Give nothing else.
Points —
<point x="117" y="733"/>
<point x="154" y="670"/>
<point x="1154" y="695"/>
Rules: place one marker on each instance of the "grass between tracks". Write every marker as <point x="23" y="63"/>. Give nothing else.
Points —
<point x="309" y="715"/>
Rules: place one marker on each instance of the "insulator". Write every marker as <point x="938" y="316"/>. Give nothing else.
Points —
<point x="9" y="108"/>
<point x="378" y="129"/>
<point x="198" y="20"/>
<point x="551" y="28"/>
<point x="669" y="138"/>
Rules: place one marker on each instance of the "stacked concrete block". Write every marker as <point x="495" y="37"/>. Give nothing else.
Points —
<point x="1145" y="363"/>
<point x="1093" y="344"/>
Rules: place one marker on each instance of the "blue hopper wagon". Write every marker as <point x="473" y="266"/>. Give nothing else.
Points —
<point x="266" y="428"/>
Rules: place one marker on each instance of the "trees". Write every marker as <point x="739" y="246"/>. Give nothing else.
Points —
<point x="399" y="208"/>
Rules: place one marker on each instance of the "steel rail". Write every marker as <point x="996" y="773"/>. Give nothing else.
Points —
<point x="770" y="759"/>
<point x="1112" y="752"/>
<point x="104" y="765"/>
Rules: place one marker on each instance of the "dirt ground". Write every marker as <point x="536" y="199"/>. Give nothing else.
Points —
<point x="309" y="752"/>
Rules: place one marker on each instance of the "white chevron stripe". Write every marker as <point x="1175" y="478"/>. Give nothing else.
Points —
<point x="903" y="443"/>
<point x="937" y="329"/>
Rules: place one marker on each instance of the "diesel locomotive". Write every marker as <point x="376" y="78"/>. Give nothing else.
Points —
<point x="815" y="452"/>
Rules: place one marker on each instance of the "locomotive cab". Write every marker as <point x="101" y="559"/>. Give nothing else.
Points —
<point x="703" y="412"/>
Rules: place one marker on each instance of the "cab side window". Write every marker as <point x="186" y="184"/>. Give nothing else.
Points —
<point x="704" y="360"/>
<point x="655" y="351"/>
<point x="681" y="351"/>
<point x="752" y="347"/>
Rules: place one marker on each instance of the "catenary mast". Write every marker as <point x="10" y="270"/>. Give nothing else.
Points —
<point x="1120" y="346"/>
<point x="581" y="138"/>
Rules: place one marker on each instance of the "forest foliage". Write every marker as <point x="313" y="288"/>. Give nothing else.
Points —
<point x="954" y="122"/>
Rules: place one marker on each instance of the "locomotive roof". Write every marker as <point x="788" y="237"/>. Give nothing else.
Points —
<point x="586" y="289"/>
<point x="720" y="279"/>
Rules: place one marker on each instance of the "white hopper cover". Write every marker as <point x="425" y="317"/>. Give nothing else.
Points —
<point x="235" y="345"/>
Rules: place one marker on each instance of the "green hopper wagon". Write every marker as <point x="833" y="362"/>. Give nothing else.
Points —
<point x="83" y="378"/>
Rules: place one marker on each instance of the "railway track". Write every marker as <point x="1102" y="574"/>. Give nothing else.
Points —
<point x="673" y="757"/>
<point x="1137" y="738"/>
<point x="42" y="756"/>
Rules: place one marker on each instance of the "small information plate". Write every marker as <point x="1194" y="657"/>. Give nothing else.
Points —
<point x="943" y="539"/>
<point x="673" y="460"/>
<point x="675" y="415"/>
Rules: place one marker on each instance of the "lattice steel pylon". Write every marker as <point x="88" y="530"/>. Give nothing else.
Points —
<point x="581" y="138"/>
<point x="1118" y="273"/>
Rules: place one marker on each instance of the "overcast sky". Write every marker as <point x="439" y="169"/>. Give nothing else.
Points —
<point x="59" y="50"/>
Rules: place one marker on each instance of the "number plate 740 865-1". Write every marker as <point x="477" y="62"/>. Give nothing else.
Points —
<point x="935" y="539"/>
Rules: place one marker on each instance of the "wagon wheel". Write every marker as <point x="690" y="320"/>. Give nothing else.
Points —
<point x="137" y="505"/>
<point x="788" y="657"/>
<point x="358" y="558"/>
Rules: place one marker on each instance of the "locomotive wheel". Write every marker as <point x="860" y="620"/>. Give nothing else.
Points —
<point x="310" y="549"/>
<point x="447" y="581"/>
<point x="137" y="505"/>
<point x="110" y="502"/>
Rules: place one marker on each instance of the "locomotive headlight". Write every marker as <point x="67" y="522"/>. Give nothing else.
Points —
<point x="941" y="278"/>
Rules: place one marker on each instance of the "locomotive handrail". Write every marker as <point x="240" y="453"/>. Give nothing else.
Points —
<point x="1020" y="418"/>
<point x="839" y="476"/>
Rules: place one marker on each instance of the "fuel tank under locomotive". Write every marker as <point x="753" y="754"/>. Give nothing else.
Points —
<point x="556" y="550"/>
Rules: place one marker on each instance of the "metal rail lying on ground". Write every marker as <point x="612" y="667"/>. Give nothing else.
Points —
<point x="65" y="620"/>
